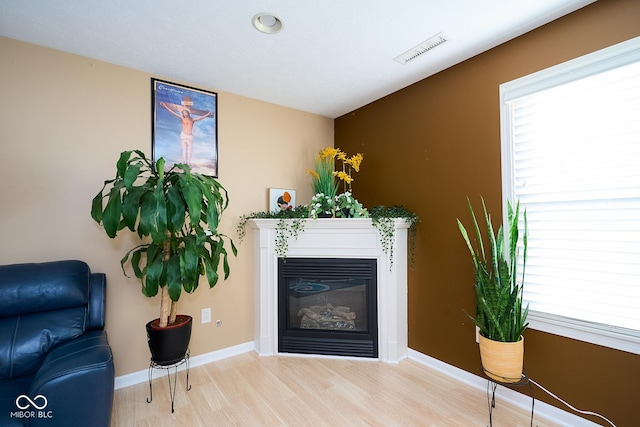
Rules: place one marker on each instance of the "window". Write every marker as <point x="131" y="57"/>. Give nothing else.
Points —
<point x="571" y="156"/>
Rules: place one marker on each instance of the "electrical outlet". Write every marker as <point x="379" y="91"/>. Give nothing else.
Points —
<point x="206" y="315"/>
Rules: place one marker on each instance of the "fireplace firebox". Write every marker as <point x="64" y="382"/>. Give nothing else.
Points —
<point x="328" y="306"/>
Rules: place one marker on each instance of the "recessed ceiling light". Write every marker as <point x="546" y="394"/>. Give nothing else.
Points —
<point x="267" y="23"/>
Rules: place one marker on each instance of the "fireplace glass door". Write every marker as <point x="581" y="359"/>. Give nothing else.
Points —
<point x="328" y="306"/>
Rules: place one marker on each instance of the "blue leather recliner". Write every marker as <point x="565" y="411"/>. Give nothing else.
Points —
<point x="56" y="366"/>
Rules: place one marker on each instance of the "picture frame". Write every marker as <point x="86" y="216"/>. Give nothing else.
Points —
<point x="184" y="126"/>
<point x="281" y="198"/>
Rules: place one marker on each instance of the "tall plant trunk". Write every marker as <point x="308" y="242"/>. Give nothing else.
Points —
<point x="165" y="302"/>
<point x="174" y="312"/>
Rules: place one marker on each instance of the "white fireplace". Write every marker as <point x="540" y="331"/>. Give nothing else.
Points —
<point x="333" y="238"/>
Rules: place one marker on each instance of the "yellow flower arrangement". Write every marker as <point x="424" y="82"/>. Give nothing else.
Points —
<point x="325" y="185"/>
<point x="324" y="174"/>
<point x="352" y="162"/>
<point x="344" y="176"/>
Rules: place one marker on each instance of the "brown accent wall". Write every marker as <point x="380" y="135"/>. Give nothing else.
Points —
<point x="437" y="142"/>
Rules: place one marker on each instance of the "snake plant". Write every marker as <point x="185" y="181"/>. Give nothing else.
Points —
<point x="499" y="312"/>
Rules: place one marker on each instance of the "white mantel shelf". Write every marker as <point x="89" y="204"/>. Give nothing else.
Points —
<point x="333" y="238"/>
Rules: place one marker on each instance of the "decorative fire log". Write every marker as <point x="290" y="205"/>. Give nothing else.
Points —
<point x="327" y="317"/>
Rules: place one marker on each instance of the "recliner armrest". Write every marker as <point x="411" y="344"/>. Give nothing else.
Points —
<point x="97" y="301"/>
<point x="77" y="380"/>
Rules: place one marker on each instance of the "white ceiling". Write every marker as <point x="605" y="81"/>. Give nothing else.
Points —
<point x="331" y="57"/>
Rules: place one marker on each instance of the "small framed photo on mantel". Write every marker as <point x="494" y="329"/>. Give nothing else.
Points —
<point x="281" y="199"/>
<point x="185" y="126"/>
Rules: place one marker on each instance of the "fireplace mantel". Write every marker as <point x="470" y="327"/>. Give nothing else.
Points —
<point x="333" y="238"/>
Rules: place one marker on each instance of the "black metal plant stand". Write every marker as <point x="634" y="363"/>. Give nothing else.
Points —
<point x="492" y="385"/>
<point x="172" y="385"/>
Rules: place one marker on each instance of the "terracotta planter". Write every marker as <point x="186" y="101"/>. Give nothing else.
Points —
<point x="502" y="361"/>
<point x="169" y="345"/>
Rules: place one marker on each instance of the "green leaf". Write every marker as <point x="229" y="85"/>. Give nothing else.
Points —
<point x="213" y="216"/>
<point x="212" y="263"/>
<point x="190" y="260"/>
<point x="160" y="168"/>
<point x="131" y="174"/>
<point x="113" y="211"/>
<point x="465" y="236"/>
<point x="155" y="272"/>
<point x="193" y="197"/>
<point x="174" y="277"/>
<point x="96" y="208"/>
<point x="210" y="269"/>
<point x="214" y="191"/>
<point x="121" y="166"/>
<point x="131" y="206"/>
<point x="225" y="265"/>
<point x="153" y="215"/>
<point x="233" y="248"/>
<point x="176" y="209"/>
<point x="136" y="257"/>
<point x="477" y="231"/>
<point x="524" y="249"/>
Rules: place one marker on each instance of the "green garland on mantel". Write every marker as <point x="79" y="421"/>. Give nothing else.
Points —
<point x="284" y="229"/>
<point x="382" y="217"/>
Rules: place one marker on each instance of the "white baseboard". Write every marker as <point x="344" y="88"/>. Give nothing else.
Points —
<point x="542" y="409"/>
<point x="202" y="359"/>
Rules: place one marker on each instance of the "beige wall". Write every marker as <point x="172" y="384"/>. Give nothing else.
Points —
<point x="64" y="119"/>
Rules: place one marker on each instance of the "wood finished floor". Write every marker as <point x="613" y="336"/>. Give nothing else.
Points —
<point x="253" y="391"/>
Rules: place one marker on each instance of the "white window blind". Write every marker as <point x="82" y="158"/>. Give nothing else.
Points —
<point x="571" y="156"/>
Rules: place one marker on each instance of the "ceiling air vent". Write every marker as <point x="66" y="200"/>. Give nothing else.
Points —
<point x="420" y="49"/>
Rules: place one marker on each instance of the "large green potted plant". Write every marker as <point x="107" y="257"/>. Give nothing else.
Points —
<point x="176" y="214"/>
<point x="500" y="315"/>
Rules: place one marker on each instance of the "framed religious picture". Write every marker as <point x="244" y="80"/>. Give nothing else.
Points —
<point x="281" y="199"/>
<point x="185" y="127"/>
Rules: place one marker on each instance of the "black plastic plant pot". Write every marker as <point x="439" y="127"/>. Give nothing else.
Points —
<point x="169" y="345"/>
